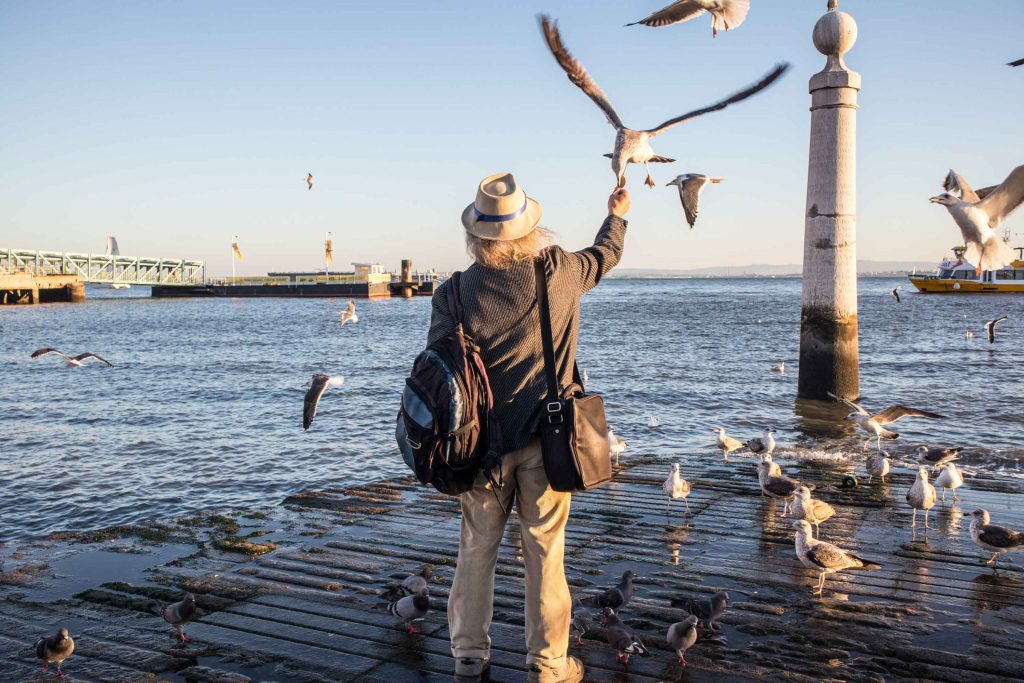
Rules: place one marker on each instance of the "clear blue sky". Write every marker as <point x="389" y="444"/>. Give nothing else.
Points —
<point x="174" y="125"/>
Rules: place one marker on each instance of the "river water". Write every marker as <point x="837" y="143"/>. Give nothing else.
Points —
<point x="202" y="409"/>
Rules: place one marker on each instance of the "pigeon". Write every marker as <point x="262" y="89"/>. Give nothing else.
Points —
<point x="936" y="456"/>
<point x="950" y="478"/>
<point x="615" y="444"/>
<point x="994" y="538"/>
<point x="56" y="649"/>
<point x="676" y="487"/>
<point x="776" y="486"/>
<point x="824" y="557"/>
<point x="895" y="294"/>
<point x="773" y="467"/>
<point x="707" y="610"/>
<point x="878" y="466"/>
<point x="177" y="614"/>
<point x="615" y="597"/>
<point x="813" y="511"/>
<point x="621" y="637"/>
<point x="582" y="621"/>
<point x="780" y="368"/>
<point x="681" y="637"/>
<point x="990" y="329"/>
<point x="726" y="443"/>
<point x="317" y="386"/>
<point x="978" y="214"/>
<point x="71" y="360"/>
<point x="349" y="314"/>
<point x="653" y="422"/>
<point x="690" y="185"/>
<point x="411" y="585"/>
<point x="875" y="424"/>
<point x="633" y="146"/>
<point x="764" y="445"/>
<point x="921" y="496"/>
<point x="411" y="608"/>
<point x="725" y="14"/>
<point x="309" y="180"/>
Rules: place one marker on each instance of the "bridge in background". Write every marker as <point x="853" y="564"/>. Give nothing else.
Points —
<point x="102" y="268"/>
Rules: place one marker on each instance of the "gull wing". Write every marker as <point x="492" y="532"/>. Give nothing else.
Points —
<point x="684" y="10"/>
<point x="985" y="191"/>
<point x="1000" y="536"/>
<point x="349" y="312"/>
<point x="770" y="78"/>
<point x="850" y="404"/>
<point x="83" y="356"/>
<point x="1018" y="62"/>
<point x="828" y="556"/>
<point x="955" y="182"/>
<point x="893" y="413"/>
<point x="780" y="486"/>
<point x="44" y="351"/>
<point x="575" y="71"/>
<point x="317" y="387"/>
<point x="1005" y="198"/>
<point x="689" y="195"/>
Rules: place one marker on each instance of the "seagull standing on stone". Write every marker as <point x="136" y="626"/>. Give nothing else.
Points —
<point x="633" y="146"/>
<point x="615" y="444"/>
<point x="921" y="496"/>
<point x="765" y="445"/>
<point x="707" y="610"/>
<point x="178" y="614"/>
<point x="726" y="443"/>
<point x="725" y="14"/>
<point x="317" y="386"/>
<point x="875" y="424"/>
<point x="411" y="609"/>
<point x="681" y="637"/>
<point x="309" y="180"/>
<point x="690" y="185"/>
<point x="55" y="650"/>
<point x="895" y="293"/>
<point x="776" y="486"/>
<point x="824" y="557"/>
<point x="950" y="478"/>
<point x="936" y="456"/>
<point x="621" y="637"/>
<point x="676" y="487"/>
<point x="994" y="538"/>
<point x="990" y="328"/>
<point x="878" y="466"/>
<point x="810" y="510"/>
<point x="71" y="360"/>
<point x="979" y="214"/>
<point x="773" y="467"/>
<point x="349" y="314"/>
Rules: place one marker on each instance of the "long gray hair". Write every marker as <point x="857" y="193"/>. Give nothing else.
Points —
<point x="501" y="254"/>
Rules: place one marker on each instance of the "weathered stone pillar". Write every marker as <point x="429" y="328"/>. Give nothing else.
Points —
<point x="829" y="356"/>
<point x="76" y="292"/>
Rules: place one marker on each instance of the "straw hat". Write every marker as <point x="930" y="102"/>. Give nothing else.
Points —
<point x="502" y="211"/>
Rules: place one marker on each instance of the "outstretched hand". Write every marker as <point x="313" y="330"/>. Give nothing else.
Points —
<point x="618" y="202"/>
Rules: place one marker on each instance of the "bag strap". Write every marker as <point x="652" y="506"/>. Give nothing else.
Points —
<point x="545" y="329"/>
<point x="454" y="298"/>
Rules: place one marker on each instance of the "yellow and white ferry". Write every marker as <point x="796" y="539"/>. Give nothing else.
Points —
<point x="957" y="275"/>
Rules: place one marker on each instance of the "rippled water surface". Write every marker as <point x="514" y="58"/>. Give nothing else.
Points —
<point x="203" y="407"/>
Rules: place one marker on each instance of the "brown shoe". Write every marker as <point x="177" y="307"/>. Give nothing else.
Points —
<point x="572" y="672"/>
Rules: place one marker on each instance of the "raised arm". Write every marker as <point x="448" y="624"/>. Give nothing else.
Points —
<point x="591" y="264"/>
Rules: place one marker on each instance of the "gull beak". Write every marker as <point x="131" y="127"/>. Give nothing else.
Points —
<point x="935" y="200"/>
<point x="715" y="181"/>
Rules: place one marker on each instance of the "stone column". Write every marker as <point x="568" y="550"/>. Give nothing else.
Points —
<point x="829" y="356"/>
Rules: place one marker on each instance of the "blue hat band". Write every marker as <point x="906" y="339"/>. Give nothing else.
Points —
<point x="499" y="217"/>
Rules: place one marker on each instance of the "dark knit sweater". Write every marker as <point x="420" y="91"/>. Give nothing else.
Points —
<point x="501" y="314"/>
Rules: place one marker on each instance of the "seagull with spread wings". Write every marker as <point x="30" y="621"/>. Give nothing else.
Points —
<point x="317" y="386"/>
<point x="1016" y="62"/>
<point x="309" y="180"/>
<point x="71" y="360"/>
<point x="725" y="14"/>
<point x="690" y="185"/>
<point x="349" y="314"/>
<point x="633" y="146"/>
<point x="979" y="213"/>
<point x="990" y="328"/>
<point x="874" y="424"/>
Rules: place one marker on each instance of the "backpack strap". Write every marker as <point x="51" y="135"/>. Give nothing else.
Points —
<point x="547" y="342"/>
<point x="454" y="298"/>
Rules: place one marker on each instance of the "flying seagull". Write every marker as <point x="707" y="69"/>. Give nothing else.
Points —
<point x="690" y="185"/>
<point x="990" y="328"/>
<point x="177" y="614"/>
<point x="675" y="487"/>
<point x="875" y="424"/>
<point x="726" y="443"/>
<point x="824" y="557"/>
<point x="349" y="314"/>
<point x="71" y="360"/>
<point x="979" y="213"/>
<point x="309" y="180"/>
<point x="681" y="637"/>
<point x="317" y="386"/>
<point x="1018" y="62"/>
<point x="58" y="648"/>
<point x="994" y="538"/>
<point x="725" y="14"/>
<point x="633" y="146"/>
<point x="895" y="294"/>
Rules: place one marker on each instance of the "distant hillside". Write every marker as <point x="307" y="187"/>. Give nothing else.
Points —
<point x="770" y="270"/>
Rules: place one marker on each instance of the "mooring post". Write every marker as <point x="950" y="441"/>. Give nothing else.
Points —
<point x="829" y="356"/>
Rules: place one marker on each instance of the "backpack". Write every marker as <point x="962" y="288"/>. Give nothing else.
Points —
<point x="446" y="429"/>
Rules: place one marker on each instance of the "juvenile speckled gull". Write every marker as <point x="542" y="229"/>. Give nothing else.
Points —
<point x="994" y="538"/>
<point x="921" y="496"/>
<point x="725" y="14"/>
<point x="875" y="424"/>
<point x="675" y="487"/>
<point x="633" y="146"/>
<point x="726" y="443"/>
<point x="824" y="557"/>
<point x="878" y="465"/>
<point x="810" y="510"/>
<point x="690" y="185"/>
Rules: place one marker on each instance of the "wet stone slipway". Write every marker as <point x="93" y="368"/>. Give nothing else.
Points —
<point x="308" y="610"/>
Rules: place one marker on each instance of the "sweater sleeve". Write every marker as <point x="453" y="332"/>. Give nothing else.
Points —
<point x="441" y="323"/>
<point x="589" y="265"/>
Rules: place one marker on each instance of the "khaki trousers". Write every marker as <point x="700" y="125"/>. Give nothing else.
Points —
<point x="542" y="517"/>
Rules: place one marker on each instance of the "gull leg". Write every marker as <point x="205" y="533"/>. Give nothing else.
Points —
<point x="867" y="443"/>
<point x="682" y="660"/>
<point x="650" y="180"/>
<point x="878" y="443"/>
<point x="955" y="499"/>
<point x="687" y="506"/>
<point x="869" y="478"/>
<point x="991" y="560"/>
<point x="943" y="494"/>
<point x="913" y="521"/>
<point x="820" y="588"/>
<point x="926" y="519"/>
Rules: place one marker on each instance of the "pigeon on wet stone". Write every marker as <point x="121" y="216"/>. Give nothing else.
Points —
<point x="177" y="614"/>
<point x="936" y="456"/>
<point x="824" y="557"/>
<point x="615" y="597"/>
<point x="811" y="510"/>
<point x="921" y="496"/>
<point x="55" y="650"/>
<point x="621" y="637"/>
<point x="582" y="621"/>
<point x="706" y="610"/>
<point x="675" y="487"/>
<point x="411" y="609"/>
<point x="411" y="585"/>
<point x="726" y="443"/>
<point x="878" y="465"/>
<point x="994" y="538"/>
<point x="763" y="445"/>
<point x="950" y="478"/>
<point x="681" y="637"/>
